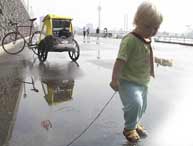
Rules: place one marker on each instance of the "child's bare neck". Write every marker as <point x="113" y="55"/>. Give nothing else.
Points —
<point x="141" y="33"/>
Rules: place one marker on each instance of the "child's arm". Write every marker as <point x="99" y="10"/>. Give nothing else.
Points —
<point x="163" y="62"/>
<point x="116" y="73"/>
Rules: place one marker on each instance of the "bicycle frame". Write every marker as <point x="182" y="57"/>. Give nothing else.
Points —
<point x="24" y="26"/>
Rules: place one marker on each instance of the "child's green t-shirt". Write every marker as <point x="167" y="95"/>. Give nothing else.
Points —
<point x="136" y="54"/>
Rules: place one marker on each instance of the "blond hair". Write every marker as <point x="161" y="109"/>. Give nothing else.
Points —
<point x="147" y="14"/>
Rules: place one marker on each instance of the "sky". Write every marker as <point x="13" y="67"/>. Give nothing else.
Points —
<point x="177" y="14"/>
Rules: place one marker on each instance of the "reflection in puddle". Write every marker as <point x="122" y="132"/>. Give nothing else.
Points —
<point x="98" y="53"/>
<point x="31" y="83"/>
<point x="58" y="83"/>
<point x="57" y="91"/>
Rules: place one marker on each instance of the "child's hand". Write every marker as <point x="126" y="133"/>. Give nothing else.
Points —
<point x="114" y="85"/>
<point x="164" y="62"/>
<point x="167" y="62"/>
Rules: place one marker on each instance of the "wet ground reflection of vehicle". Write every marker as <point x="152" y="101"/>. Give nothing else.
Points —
<point x="57" y="91"/>
<point x="58" y="82"/>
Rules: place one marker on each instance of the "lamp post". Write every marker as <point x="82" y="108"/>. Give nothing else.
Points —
<point x="99" y="16"/>
<point x="99" y="23"/>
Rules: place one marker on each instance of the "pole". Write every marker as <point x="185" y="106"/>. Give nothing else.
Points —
<point x="99" y="23"/>
<point x="99" y="16"/>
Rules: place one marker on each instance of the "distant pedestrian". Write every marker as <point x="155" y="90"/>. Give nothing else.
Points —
<point x="133" y="68"/>
<point x="97" y="35"/>
<point x="88" y="34"/>
<point x="84" y="33"/>
<point x="105" y="32"/>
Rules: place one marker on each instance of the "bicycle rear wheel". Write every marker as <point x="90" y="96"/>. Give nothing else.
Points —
<point x="13" y="43"/>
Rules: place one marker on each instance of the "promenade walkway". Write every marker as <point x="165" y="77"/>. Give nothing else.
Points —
<point x="45" y="118"/>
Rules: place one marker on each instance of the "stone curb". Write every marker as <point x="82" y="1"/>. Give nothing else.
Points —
<point x="1" y="51"/>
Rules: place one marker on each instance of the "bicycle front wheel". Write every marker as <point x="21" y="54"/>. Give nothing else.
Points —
<point x="13" y="43"/>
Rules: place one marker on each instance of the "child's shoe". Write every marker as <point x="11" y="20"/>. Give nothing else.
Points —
<point x="141" y="131"/>
<point x="131" y="135"/>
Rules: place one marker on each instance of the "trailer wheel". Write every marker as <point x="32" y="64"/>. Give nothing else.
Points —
<point x="42" y="51"/>
<point x="74" y="54"/>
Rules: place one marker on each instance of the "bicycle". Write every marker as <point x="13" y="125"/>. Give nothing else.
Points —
<point x="14" y="42"/>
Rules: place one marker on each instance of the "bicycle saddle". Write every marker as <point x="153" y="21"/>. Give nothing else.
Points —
<point x="33" y="19"/>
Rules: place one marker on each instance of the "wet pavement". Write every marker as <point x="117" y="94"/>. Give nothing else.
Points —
<point x="52" y="103"/>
